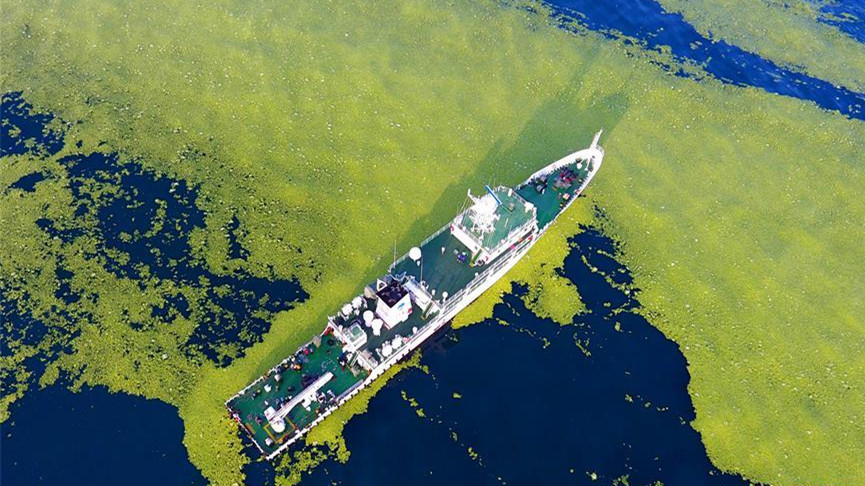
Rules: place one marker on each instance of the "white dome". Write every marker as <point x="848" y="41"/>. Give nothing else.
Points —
<point x="414" y="253"/>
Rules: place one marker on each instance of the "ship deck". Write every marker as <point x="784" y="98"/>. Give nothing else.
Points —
<point x="404" y="329"/>
<point x="445" y="273"/>
<point x="511" y="214"/>
<point x="551" y="202"/>
<point x="251" y="404"/>
<point x="440" y="267"/>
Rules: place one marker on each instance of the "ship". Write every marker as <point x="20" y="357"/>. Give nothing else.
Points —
<point x="418" y="296"/>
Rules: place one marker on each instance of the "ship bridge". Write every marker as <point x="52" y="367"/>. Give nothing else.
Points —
<point x="450" y="259"/>
<point x="490" y="224"/>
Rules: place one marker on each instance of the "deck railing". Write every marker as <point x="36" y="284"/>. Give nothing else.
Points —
<point x="475" y="282"/>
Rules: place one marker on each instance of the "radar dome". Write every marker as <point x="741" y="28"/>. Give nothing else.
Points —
<point x="414" y="253"/>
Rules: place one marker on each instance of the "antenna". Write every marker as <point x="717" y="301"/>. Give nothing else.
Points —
<point x="483" y="211"/>
<point x="499" y="201"/>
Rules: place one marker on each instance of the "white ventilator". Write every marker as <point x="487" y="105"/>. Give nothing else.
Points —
<point x="376" y="326"/>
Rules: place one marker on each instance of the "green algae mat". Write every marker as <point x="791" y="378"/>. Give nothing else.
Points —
<point x="318" y="135"/>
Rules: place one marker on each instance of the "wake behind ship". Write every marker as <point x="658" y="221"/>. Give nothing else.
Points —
<point x="420" y="294"/>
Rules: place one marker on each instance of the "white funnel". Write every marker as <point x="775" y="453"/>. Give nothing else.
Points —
<point x="376" y="326"/>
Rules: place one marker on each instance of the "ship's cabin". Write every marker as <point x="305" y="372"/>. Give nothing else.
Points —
<point x="380" y="321"/>
<point x="492" y="222"/>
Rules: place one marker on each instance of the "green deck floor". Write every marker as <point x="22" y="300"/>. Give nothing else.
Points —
<point x="441" y="270"/>
<point x="253" y="403"/>
<point x="549" y="204"/>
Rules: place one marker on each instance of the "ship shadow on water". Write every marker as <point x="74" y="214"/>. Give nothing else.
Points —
<point x="560" y="125"/>
<point x="518" y="399"/>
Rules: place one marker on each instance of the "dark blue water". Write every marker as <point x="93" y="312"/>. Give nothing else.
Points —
<point x="41" y="341"/>
<point x="34" y="131"/>
<point x="848" y="16"/>
<point x="235" y="234"/>
<point x="28" y="182"/>
<point x="93" y="438"/>
<point x="132" y="201"/>
<point x="534" y="405"/>
<point x="647" y="21"/>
